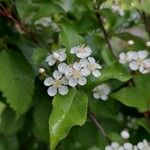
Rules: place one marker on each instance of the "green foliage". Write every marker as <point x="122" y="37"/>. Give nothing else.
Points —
<point x="17" y="80"/>
<point x="29" y="30"/>
<point x="67" y="111"/>
<point x="136" y="96"/>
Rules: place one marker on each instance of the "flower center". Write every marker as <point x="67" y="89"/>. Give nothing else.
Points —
<point x="57" y="83"/>
<point x="76" y="74"/>
<point x="92" y="66"/>
<point x="55" y="55"/>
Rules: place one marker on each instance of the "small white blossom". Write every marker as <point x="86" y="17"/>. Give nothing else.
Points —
<point x="41" y="70"/>
<point x="148" y="44"/>
<point x="57" y="84"/>
<point x="125" y="134"/>
<point x="59" y="56"/>
<point x="101" y="92"/>
<point x="74" y="75"/>
<point x="136" y="60"/>
<point x="90" y="66"/>
<point x="130" y="42"/>
<point x="81" y="51"/>
<point x="143" y="145"/>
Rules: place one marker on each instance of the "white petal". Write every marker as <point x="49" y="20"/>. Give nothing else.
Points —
<point x="104" y="97"/>
<point x="48" y="58"/>
<point x="91" y="59"/>
<point x="62" y="56"/>
<point x="96" y="96"/>
<point x="84" y="62"/>
<point x="65" y="81"/>
<point x="143" y="54"/>
<point x="51" y="62"/>
<point x="132" y="55"/>
<point x="48" y="81"/>
<point x="62" y="67"/>
<point x="96" y="73"/>
<point x="82" y="81"/>
<point x="88" y="50"/>
<point x="122" y="58"/>
<point x="133" y="65"/>
<point x="85" y="72"/>
<point x="77" y="66"/>
<point x="56" y="55"/>
<point x="52" y="91"/>
<point x="81" y="55"/>
<point x="98" y="66"/>
<point x="57" y="75"/>
<point x="73" y="82"/>
<point x="63" y="90"/>
<point x="74" y="50"/>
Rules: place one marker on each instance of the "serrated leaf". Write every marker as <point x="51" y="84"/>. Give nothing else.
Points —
<point x="67" y="111"/>
<point x="68" y="36"/>
<point x="112" y="71"/>
<point x="16" y="80"/>
<point x="136" y="96"/>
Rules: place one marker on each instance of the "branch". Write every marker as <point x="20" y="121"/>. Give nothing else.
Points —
<point x="7" y="13"/>
<point x="106" y="36"/>
<point x="92" y="117"/>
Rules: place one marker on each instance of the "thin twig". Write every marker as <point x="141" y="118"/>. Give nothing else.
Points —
<point x="7" y="13"/>
<point x="106" y="36"/>
<point x="92" y="117"/>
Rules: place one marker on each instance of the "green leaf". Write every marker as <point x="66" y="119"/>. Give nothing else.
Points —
<point x="136" y="96"/>
<point x="41" y="116"/>
<point x="144" y="123"/>
<point x="9" y="125"/>
<point x="2" y="108"/>
<point x="112" y="71"/>
<point x="67" y="111"/>
<point x="68" y="36"/>
<point x="47" y="9"/>
<point x="16" y="80"/>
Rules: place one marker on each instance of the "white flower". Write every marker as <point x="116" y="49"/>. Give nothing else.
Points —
<point x="59" y="56"/>
<point x="90" y="66"/>
<point x="74" y="75"/>
<point x="123" y="58"/>
<point x="101" y="92"/>
<point x="81" y="51"/>
<point x="130" y="42"/>
<point x="148" y="44"/>
<point x="140" y="63"/>
<point x="57" y="84"/>
<point x="125" y="134"/>
<point x="128" y="146"/>
<point x="136" y="60"/>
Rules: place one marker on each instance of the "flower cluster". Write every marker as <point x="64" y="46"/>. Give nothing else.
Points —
<point x="136" y="60"/>
<point x="101" y="92"/>
<point x="143" y="145"/>
<point x="70" y="74"/>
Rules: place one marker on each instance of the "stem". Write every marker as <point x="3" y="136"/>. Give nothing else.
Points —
<point x="93" y="118"/>
<point x="7" y="13"/>
<point x="106" y="36"/>
<point x="145" y="21"/>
